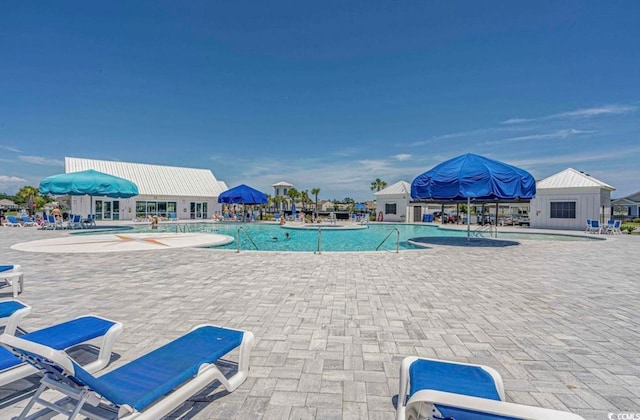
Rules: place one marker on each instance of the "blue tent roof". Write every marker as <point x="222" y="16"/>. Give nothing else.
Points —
<point x="88" y="182"/>
<point x="476" y="177"/>
<point x="242" y="194"/>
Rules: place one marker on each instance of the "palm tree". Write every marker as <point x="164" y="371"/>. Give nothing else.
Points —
<point x="27" y="195"/>
<point x="316" y="191"/>
<point x="293" y="194"/>
<point x="378" y="185"/>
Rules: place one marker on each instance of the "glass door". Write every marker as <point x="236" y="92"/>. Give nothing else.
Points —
<point x="107" y="210"/>
<point x="115" y="213"/>
<point x="198" y="210"/>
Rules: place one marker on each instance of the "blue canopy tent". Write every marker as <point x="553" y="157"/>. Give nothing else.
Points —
<point x="243" y="194"/>
<point x="474" y="177"/>
<point x="360" y="207"/>
<point x="89" y="182"/>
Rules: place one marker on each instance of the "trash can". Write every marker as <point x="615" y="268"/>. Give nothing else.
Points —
<point x="427" y="217"/>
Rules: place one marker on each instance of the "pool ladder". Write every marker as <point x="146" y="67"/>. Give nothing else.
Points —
<point x="388" y="236"/>
<point x="491" y="229"/>
<point x="248" y="237"/>
<point x="182" y="228"/>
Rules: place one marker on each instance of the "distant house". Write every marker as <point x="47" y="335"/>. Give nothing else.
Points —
<point x="627" y="207"/>
<point x="567" y="199"/>
<point x="392" y="203"/>
<point x="6" y="204"/>
<point x="187" y="193"/>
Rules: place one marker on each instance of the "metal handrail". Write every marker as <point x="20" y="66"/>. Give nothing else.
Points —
<point x="182" y="228"/>
<point x="387" y="237"/>
<point x="319" y="250"/>
<point x="486" y="228"/>
<point x="248" y="237"/>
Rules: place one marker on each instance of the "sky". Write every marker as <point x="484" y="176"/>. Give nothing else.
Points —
<point x="328" y="95"/>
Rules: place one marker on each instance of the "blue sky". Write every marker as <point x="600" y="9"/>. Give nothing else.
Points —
<point x="328" y="94"/>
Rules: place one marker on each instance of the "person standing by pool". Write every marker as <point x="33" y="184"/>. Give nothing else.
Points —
<point x="154" y="222"/>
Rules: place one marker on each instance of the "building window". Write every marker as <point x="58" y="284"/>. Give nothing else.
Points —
<point x="390" y="208"/>
<point x="145" y="209"/>
<point x="563" y="210"/>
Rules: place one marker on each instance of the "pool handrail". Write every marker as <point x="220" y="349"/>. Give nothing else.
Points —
<point x="387" y="237"/>
<point x="248" y="237"/>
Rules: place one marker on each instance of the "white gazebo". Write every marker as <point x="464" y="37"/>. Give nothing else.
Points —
<point x="567" y="199"/>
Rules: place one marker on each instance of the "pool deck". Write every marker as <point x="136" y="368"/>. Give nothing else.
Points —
<point x="560" y="321"/>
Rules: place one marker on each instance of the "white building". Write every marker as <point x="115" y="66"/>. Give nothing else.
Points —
<point x="281" y="189"/>
<point x="567" y="199"/>
<point x="392" y="203"/>
<point x="189" y="193"/>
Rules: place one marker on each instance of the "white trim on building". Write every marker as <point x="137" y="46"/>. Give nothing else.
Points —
<point x="189" y="193"/>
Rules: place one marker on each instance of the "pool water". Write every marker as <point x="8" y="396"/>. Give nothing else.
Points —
<point x="271" y="237"/>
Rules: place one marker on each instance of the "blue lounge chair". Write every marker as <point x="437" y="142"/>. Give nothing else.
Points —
<point x="26" y="221"/>
<point x="435" y="389"/>
<point x="595" y="227"/>
<point x="151" y="386"/>
<point x="12" y="221"/>
<point x="12" y="277"/>
<point x="11" y="313"/>
<point x="58" y="337"/>
<point x="75" y="222"/>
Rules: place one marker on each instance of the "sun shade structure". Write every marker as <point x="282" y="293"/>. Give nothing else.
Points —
<point x="474" y="177"/>
<point x="89" y="182"/>
<point x="242" y="194"/>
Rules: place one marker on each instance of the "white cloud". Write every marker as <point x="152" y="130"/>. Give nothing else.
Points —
<point x="38" y="160"/>
<point x="11" y="149"/>
<point x="402" y="156"/>
<point x="7" y="179"/>
<point x="559" y="134"/>
<point x="579" y="113"/>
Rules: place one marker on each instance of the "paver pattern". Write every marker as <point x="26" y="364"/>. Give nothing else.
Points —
<point x="559" y="320"/>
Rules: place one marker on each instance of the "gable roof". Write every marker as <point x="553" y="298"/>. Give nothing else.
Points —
<point x="282" y="184"/>
<point x="571" y="178"/>
<point x="154" y="179"/>
<point x="400" y="187"/>
<point x="633" y="197"/>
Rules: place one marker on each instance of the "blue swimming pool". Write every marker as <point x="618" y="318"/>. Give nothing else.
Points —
<point x="271" y="237"/>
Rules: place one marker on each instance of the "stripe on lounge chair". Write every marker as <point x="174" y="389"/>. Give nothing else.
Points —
<point x="5" y="268"/>
<point x="60" y="336"/>
<point x="462" y="414"/>
<point x="452" y="377"/>
<point x="148" y="378"/>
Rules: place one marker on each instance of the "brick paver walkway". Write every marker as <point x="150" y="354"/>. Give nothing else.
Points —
<point x="559" y="320"/>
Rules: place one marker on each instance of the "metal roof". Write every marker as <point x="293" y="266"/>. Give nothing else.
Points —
<point x="282" y="184"/>
<point x="571" y="178"/>
<point x="400" y="187"/>
<point x="154" y="179"/>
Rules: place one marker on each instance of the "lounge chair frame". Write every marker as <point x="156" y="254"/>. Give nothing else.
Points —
<point x="58" y="368"/>
<point x="14" y="278"/>
<point x="422" y="404"/>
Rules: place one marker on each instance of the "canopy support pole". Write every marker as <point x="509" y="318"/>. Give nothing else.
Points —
<point x="468" y="218"/>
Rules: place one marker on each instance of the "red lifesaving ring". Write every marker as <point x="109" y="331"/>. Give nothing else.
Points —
<point x="380" y="217"/>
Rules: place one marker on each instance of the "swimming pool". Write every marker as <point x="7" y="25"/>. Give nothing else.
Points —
<point x="272" y="237"/>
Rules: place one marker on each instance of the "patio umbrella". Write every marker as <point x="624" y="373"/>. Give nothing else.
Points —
<point x="475" y="177"/>
<point x="293" y="210"/>
<point x="89" y="182"/>
<point x="360" y="207"/>
<point x="242" y="194"/>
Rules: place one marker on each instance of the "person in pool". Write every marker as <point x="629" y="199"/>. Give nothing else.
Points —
<point x="287" y="236"/>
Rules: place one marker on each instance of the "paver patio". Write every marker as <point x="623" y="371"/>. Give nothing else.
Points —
<point x="559" y="320"/>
